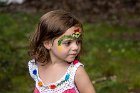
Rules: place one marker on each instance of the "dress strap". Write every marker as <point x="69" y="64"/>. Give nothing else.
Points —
<point x="33" y="69"/>
<point x="75" y="66"/>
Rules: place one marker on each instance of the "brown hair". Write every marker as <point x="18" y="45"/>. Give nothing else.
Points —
<point x="52" y="25"/>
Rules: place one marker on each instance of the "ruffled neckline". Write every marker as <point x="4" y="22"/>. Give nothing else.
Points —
<point x="56" y="82"/>
<point x="63" y="79"/>
<point x="59" y="82"/>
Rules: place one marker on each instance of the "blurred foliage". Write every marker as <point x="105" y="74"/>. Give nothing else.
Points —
<point x="108" y="50"/>
<point x="110" y="11"/>
<point x="14" y="39"/>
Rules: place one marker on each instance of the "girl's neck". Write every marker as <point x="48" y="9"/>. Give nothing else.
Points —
<point x="50" y="63"/>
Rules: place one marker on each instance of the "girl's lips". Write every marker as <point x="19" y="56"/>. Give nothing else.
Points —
<point x="73" y="54"/>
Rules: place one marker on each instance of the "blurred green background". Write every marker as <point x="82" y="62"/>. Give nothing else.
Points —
<point x="111" y="43"/>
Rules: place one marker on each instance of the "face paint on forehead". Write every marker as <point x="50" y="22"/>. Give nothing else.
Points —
<point x="75" y="35"/>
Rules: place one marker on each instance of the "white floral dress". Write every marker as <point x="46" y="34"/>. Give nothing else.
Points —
<point x="64" y="85"/>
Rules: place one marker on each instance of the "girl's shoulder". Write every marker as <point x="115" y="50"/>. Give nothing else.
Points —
<point x="76" y="64"/>
<point x="74" y="67"/>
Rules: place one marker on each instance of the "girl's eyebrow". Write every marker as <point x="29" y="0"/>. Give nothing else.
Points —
<point x="67" y="40"/>
<point x="63" y="38"/>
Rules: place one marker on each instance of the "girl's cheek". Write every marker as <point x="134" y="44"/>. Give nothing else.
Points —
<point x="59" y="48"/>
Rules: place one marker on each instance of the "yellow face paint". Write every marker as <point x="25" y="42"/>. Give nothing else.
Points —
<point x="59" y="48"/>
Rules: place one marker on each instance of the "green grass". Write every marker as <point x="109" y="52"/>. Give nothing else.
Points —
<point x="106" y="52"/>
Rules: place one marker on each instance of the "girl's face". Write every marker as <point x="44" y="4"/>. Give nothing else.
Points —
<point x="67" y="46"/>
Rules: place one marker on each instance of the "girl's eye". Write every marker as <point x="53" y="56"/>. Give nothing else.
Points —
<point x="67" y="43"/>
<point x="78" y="42"/>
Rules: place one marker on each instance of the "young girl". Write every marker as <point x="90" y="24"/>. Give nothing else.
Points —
<point x="55" y="47"/>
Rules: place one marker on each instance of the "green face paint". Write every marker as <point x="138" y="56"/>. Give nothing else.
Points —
<point x="63" y="38"/>
<point x="74" y="36"/>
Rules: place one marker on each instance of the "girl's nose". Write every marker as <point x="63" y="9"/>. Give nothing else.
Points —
<point x="75" y="46"/>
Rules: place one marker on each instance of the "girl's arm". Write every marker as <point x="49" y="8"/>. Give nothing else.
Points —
<point x="83" y="82"/>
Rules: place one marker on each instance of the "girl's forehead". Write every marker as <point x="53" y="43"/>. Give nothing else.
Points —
<point x="72" y="30"/>
<point x="71" y="34"/>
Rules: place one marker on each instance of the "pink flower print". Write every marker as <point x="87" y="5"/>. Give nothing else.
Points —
<point x="75" y="61"/>
<point x="70" y="91"/>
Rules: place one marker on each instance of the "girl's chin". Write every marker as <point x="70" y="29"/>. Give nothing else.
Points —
<point x="70" y="60"/>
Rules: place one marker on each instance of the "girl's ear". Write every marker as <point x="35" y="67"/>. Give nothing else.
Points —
<point x="47" y="44"/>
